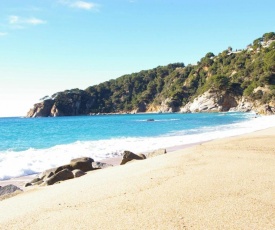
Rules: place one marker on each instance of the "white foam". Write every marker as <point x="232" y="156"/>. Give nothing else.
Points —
<point x="15" y="164"/>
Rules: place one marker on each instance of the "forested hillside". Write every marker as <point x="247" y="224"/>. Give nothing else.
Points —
<point x="246" y="75"/>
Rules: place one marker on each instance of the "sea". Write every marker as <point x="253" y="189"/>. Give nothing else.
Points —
<point x="32" y="145"/>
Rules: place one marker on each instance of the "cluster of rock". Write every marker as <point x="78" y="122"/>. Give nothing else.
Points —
<point x="77" y="168"/>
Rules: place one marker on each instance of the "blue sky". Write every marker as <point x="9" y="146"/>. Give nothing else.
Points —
<point x="52" y="45"/>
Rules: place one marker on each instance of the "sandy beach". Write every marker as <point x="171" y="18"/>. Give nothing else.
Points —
<point x="223" y="184"/>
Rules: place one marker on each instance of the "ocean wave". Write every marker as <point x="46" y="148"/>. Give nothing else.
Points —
<point x="31" y="161"/>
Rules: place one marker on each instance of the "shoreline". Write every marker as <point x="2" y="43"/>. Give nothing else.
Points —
<point x="115" y="161"/>
<point x="61" y="154"/>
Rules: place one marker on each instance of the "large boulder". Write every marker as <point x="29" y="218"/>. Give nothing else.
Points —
<point x="76" y="168"/>
<point x="128" y="156"/>
<point x="8" y="189"/>
<point x="65" y="174"/>
<point x="83" y="163"/>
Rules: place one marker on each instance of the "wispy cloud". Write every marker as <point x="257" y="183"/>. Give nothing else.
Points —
<point x="84" y="5"/>
<point x="35" y="21"/>
<point x="20" y="22"/>
<point x="2" y="34"/>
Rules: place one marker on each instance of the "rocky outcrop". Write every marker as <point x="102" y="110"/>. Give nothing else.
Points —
<point x="211" y="101"/>
<point x="266" y="110"/>
<point x="76" y="168"/>
<point x="244" y="105"/>
<point x="42" y="109"/>
<point x="67" y="103"/>
<point x="223" y="102"/>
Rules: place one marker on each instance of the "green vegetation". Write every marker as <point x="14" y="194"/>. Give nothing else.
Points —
<point x="238" y="73"/>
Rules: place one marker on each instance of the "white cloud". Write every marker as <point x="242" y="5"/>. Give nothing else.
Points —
<point x="19" y="22"/>
<point x="13" y="19"/>
<point x="2" y="34"/>
<point x="84" y="5"/>
<point x="35" y="21"/>
<point x="80" y="4"/>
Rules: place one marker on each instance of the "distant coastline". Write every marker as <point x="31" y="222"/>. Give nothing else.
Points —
<point x="240" y="80"/>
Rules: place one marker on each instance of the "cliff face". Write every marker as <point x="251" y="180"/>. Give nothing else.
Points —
<point x="42" y="109"/>
<point x="207" y="102"/>
<point x="223" y="102"/>
<point x="68" y="103"/>
<point x="211" y="101"/>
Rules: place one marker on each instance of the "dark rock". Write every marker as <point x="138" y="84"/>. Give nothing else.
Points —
<point x="128" y="156"/>
<point x="65" y="174"/>
<point x="8" y="189"/>
<point x="35" y="180"/>
<point x="100" y="165"/>
<point x="83" y="163"/>
<point x="38" y="182"/>
<point x="60" y="168"/>
<point x="47" y="173"/>
<point x="156" y="153"/>
<point x="142" y="156"/>
<point x="78" y="173"/>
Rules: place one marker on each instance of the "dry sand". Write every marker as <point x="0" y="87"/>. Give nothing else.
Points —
<point x="223" y="184"/>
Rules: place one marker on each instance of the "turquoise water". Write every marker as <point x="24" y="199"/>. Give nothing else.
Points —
<point x="19" y="134"/>
<point x="33" y="145"/>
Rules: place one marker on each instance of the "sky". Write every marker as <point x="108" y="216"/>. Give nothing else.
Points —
<point x="49" y="46"/>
